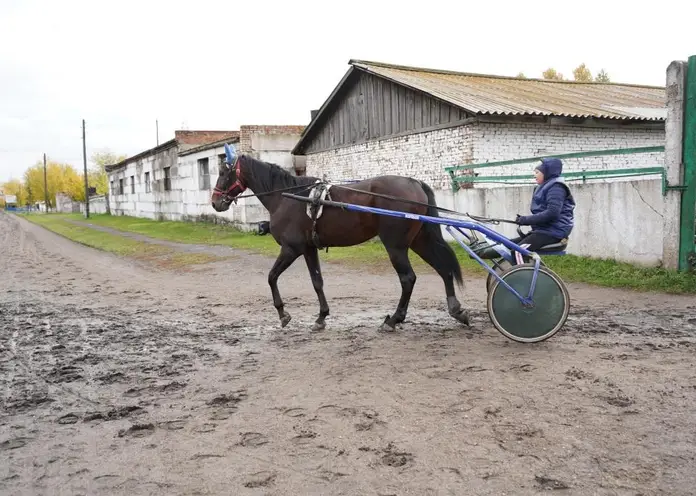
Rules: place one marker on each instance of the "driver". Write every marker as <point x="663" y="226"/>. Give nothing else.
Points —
<point x="552" y="208"/>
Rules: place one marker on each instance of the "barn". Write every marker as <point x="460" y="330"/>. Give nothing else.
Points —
<point x="392" y="119"/>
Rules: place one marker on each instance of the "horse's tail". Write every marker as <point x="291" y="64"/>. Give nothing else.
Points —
<point x="439" y="252"/>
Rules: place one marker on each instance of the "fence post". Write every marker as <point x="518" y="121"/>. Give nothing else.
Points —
<point x="674" y="173"/>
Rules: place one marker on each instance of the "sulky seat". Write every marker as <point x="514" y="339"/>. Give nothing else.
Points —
<point x="554" y="247"/>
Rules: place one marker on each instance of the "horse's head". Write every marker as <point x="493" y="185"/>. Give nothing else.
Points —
<point x="229" y="184"/>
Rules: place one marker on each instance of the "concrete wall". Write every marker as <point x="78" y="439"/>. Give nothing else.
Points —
<point x="616" y="220"/>
<point x="148" y="197"/>
<point x="65" y="204"/>
<point x="97" y="205"/>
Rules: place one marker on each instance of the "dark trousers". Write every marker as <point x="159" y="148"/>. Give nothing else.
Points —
<point x="536" y="240"/>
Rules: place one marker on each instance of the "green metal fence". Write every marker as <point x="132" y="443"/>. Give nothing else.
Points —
<point x="582" y="175"/>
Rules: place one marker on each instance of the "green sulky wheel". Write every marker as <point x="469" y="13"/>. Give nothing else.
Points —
<point x="547" y="315"/>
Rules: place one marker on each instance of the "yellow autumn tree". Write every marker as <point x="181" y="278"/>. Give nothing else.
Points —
<point x="17" y="188"/>
<point x="582" y="73"/>
<point x="60" y="178"/>
<point x="551" y="73"/>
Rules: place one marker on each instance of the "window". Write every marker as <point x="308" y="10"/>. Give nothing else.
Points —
<point x="221" y="161"/>
<point x="132" y="184"/>
<point x="167" y="179"/>
<point x="203" y="173"/>
<point x="120" y="186"/>
<point x="147" y="182"/>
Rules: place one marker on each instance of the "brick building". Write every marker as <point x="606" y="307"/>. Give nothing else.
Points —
<point x="387" y="119"/>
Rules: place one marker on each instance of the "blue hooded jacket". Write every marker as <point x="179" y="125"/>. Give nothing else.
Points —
<point x="552" y="203"/>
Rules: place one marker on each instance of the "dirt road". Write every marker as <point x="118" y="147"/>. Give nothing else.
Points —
<point x="117" y="378"/>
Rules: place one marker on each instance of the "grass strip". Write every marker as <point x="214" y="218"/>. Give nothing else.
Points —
<point x="162" y="256"/>
<point x="606" y="273"/>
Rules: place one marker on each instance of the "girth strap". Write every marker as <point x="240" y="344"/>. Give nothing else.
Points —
<point x="315" y="208"/>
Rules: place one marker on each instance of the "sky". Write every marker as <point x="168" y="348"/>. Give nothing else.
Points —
<point x="218" y="64"/>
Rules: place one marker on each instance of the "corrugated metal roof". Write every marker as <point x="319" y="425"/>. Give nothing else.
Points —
<point x="499" y="95"/>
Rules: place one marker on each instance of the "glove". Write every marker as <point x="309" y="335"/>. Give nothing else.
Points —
<point x="520" y="220"/>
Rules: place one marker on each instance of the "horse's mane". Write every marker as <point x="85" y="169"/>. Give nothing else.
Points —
<point x="270" y="176"/>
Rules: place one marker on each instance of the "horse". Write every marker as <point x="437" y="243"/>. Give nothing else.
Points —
<point x="300" y="235"/>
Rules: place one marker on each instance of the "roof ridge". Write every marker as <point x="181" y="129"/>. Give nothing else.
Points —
<point x="359" y="62"/>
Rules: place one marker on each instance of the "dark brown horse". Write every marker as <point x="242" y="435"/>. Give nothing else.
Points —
<point x="293" y="229"/>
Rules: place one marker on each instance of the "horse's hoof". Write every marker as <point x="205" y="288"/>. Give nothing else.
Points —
<point x="385" y="327"/>
<point x="462" y="316"/>
<point x="285" y="319"/>
<point x="318" y="326"/>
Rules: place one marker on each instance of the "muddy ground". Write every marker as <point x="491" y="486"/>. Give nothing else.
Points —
<point x="119" y="378"/>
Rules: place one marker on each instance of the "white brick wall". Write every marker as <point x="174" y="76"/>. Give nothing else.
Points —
<point x="494" y="142"/>
<point x="424" y="156"/>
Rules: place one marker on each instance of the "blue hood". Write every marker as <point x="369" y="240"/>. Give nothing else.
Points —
<point x="550" y="167"/>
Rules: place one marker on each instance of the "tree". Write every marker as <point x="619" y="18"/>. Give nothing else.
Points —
<point x="96" y="175"/>
<point x="582" y="73"/>
<point x="60" y="178"/>
<point x="15" y="187"/>
<point x="521" y="75"/>
<point x="551" y="73"/>
<point x="602" y="77"/>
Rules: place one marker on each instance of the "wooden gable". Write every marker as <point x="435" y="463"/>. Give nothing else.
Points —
<point x="368" y="107"/>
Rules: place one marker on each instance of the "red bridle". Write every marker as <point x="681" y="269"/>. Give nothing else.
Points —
<point x="238" y="183"/>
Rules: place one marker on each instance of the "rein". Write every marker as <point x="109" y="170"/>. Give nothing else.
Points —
<point x="441" y="209"/>
<point x="238" y="182"/>
<point x="306" y="186"/>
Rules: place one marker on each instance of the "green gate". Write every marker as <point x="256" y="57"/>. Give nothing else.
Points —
<point x="687" y="230"/>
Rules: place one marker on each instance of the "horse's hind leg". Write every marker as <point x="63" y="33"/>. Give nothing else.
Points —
<point x="407" y="277"/>
<point x="435" y="251"/>
<point x="312" y="259"/>
<point x="287" y="256"/>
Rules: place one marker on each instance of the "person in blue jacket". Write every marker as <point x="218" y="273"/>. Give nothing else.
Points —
<point x="552" y="208"/>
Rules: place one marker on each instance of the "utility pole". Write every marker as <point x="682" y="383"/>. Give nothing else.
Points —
<point x="157" y="130"/>
<point x="45" y="185"/>
<point x="84" y="159"/>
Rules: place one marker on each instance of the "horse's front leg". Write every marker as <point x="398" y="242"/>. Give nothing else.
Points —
<point x="287" y="256"/>
<point x="312" y="259"/>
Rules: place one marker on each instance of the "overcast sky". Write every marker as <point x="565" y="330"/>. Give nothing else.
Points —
<point x="214" y="64"/>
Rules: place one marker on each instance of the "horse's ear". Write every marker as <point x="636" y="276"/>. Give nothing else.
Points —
<point x="231" y="154"/>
